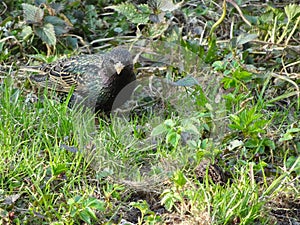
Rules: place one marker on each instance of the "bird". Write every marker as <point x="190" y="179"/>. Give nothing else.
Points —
<point x="96" y="79"/>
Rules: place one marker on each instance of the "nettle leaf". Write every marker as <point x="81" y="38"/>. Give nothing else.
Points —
<point x="144" y="8"/>
<point x="57" y="6"/>
<point x="131" y="13"/>
<point x="60" y="26"/>
<point x="47" y="33"/>
<point x="32" y="14"/>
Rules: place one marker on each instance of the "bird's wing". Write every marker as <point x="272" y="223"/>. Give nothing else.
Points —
<point x="62" y="75"/>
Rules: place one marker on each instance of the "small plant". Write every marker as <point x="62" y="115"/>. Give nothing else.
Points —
<point x="173" y="130"/>
<point x="249" y="122"/>
<point x="279" y="25"/>
<point x="84" y="208"/>
<point x="44" y="22"/>
<point x="147" y="216"/>
<point x="173" y="195"/>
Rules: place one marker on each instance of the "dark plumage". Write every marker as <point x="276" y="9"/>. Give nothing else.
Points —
<point x="97" y="79"/>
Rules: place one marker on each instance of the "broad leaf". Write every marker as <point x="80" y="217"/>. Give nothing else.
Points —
<point x="60" y="26"/>
<point x="187" y="82"/>
<point x="85" y="216"/>
<point x="26" y="32"/>
<point x="160" y="129"/>
<point x="173" y="138"/>
<point x="245" y="38"/>
<point x="47" y="34"/>
<point x="131" y="13"/>
<point x="32" y="14"/>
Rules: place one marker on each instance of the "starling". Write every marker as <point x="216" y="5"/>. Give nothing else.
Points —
<point x="97" y="79"/>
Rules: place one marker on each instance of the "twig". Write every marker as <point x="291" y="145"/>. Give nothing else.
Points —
<point x="5" y="8"/>
<point x="239" y="11"/>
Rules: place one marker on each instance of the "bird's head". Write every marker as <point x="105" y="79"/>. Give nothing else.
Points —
<point x="120" y="58"/>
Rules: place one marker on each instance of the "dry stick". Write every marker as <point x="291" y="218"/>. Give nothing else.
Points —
<point x="239" y="11"/>
<point x="17" y="41"/>
<point x="5" y="8"/>
<point x="291" y="93"/>
<point x="289" y="80"/>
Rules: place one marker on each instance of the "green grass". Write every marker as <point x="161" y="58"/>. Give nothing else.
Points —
<point x="43" y="182"/>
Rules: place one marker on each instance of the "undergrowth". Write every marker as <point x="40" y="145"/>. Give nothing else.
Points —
<point x="210" y="136"/>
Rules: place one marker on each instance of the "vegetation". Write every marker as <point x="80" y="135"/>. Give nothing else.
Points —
<point x="210" y="136"/>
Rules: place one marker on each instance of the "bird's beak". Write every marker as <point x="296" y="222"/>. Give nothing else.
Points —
<point x="119" y="67"/>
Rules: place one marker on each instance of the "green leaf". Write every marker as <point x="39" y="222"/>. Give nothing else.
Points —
<point x="131" y="13"/>
<point x="245" y="38"/>
<point x="91" y="213"/>
<point x="286" y="137"/>
<point x="32" y="14"/>
<point x="290" y="162"/>
<point x="26" y="32"/>
<point x="142" y="205"/>
<point x="187" y="82"/>
<point x="160" y="129"/>
<point x="47" y="33"/>
<point x="242" y="75"/>
<point x="191" y="128"/>
<point x="294" y="130"/>
<point x="212" y="53"/>
<point x="179" y="179"/>
<point x="169" y="198"/>
<point x="290" y="133"/>
<point x="292" y="11"/>
<point x="96" y="204"/>
<point x="173" y="138"/>
<point x="72" y="42"/>
<point x="252" y="143"/>
<point x="58" y="169"/>
<point x="144" y="8"/>
<point x="200" y="96"/>
<point x="85" y="216"/>
<point x="71" y="201"/>
<point x="269" y="143"/>
<point x="60" y="26"/>
<point x="169" y="123"/>
<point x="219" y="65"/>
<point x="77" y="198"/>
